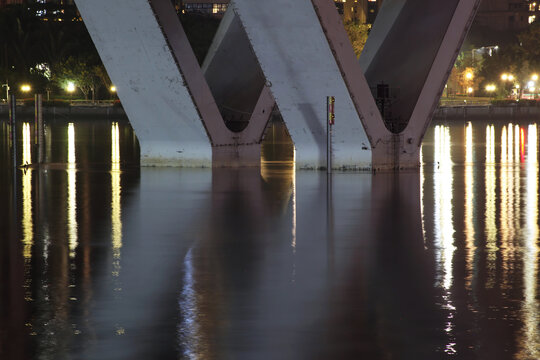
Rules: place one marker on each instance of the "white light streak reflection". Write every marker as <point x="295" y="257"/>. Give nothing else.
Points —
<point x="510" y="139"/>
<point x="116" y="209"/>
<point x="530" y="341"/>
<point x="72" y="193"/>
<point x="490" y="211"/>
<point x="27" y="147"/>
<point x="189" y="328"/>
<point x="504" y="146"/>
<point x="469" y="204"/>
<point x="509" y="212"/>
<point x="444" y="228"/>
<point x="516" y="143"/>
<point x="27" y="220"/>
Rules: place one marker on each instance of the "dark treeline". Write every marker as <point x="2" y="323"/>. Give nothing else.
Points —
<point x="47" y="50"/>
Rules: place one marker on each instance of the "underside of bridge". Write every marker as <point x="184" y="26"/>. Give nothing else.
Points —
<point x="285" y="54"/>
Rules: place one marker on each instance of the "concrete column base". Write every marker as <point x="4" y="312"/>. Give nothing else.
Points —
<point x="236" y="155"/>
<point x="396" y="153"/>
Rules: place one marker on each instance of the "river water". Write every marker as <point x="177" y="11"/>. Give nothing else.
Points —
<point x="100" y="259"/>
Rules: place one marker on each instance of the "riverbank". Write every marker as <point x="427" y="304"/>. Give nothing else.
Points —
<point x="487" y="112"/>
<point x="71" y="110"/>
<point x="442" y="112"/>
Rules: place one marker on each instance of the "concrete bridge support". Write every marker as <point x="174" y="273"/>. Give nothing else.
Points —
<point x="410" y="52"/>
<point x="292" y="54"/>
<point x="150" y="85"/>
<point x="165" y="94"/>
<point x="297" y="62"/>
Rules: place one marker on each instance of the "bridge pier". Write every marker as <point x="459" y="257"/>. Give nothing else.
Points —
<point x="290" y="45"/>
<point x="164" y="91"/>
<point x="187" y="116"/>
<point x="413" y="59"/>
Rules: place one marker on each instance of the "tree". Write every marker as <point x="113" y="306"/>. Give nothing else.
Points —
<point x="529" y="45"/>
<point x="358" y="34"/>
<point x="86" y="76"/>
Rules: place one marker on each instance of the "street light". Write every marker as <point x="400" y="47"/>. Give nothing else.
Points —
<point x="490" y="88"/>
<point x="469" y="76"/>
<point x="6" y="85"/>
<point x="70" y="88"/>
<point x="534" y="77"/>
<point x="113" y="88"/>
<point x="26" y="88"/>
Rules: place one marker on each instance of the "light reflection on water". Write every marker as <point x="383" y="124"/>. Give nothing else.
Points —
<point x="530" y="342"/>
<point x="444" y="229"/>
<point x="116" y="196"/>
<point x="72" y="192"/>
<point x="470" y="209"/>
<point x="248" y="263"/>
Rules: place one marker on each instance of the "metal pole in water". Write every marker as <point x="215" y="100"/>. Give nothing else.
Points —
<point x="13" y="125"/>
<point x="330" y="100"/>
<point x="39" y="127"/>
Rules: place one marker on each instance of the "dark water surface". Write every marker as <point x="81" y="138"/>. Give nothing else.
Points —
<point x="102" y="260"/>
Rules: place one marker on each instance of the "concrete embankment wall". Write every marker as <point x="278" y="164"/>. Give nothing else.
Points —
<point x="486" y="112"/>
<point x="85" y="111"/>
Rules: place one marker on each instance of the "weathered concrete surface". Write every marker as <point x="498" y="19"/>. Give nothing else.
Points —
<point x="166" y="96"/>
<point x="233" y="73"/>
<point x="240" y="142"/>
<point x="295" y="52"/>
<point x="412" y="48"/>
<point x="297" y="62"/>
<point x="150" y="85"/>
<point x="404" y="58"/>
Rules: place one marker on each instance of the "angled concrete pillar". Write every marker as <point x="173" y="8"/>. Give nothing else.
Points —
<point x="411" y="49"/>
<point x="163" y="89"/>
<point x="301" y="72"/>
<point x="150" y="85"/>
<point x="295" y="53"/>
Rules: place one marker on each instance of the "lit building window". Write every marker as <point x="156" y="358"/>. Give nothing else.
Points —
<point x="532" y="18"/>
<point x="219" y="8"/>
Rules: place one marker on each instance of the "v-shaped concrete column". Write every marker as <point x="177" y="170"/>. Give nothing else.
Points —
<point x="294" y="52"/>
<point x="411" y="49"/>
<point x="297" y="61"/>
<point x="163" y="88"/>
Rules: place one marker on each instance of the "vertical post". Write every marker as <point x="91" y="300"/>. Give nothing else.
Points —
<point x="330" y="100"/>
<point x="13" y="125"/>
<point x="39" y="127"/>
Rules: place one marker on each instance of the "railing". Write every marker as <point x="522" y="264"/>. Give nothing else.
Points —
<point x="467" y="102"/>
<point x="89" y="103"/>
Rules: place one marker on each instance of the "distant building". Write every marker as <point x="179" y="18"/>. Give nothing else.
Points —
<point x="362" y="11"/>
<point x="10" y="2"/>
<point x="16" y="2"/>
<point x="215" y="8"/>
<point x="504" y="15"/>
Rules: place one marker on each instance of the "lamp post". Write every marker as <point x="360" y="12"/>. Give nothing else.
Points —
<point x="507" y="79"/>
<point x="112" y="89"/>
<point x="490" y="88"/>
<point x="25" y="88"/>
<point x="70" y="88"/>
<point x="6" y="85"/>
<point x="532" y="85"/>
